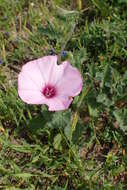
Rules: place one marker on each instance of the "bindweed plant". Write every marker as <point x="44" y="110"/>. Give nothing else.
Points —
<point x="75" y="138"/>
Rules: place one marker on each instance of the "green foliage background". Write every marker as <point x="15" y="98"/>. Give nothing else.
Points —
<point x="84" y="147"/>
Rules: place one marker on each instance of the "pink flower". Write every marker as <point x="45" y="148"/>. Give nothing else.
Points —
<point x="42" y="81"/>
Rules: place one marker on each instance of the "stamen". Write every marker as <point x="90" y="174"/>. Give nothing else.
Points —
<point x="49" y="91"/>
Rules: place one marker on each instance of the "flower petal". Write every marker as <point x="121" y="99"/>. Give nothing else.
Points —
<point x="71" y="82"/>
<point x="48" y="66"/>
<point x="44" y="71"/>
<point x="30" y="77"/>
<point x="31" y="97"/>
<point x="25" y="82"/>
<point x="59" y="103"/>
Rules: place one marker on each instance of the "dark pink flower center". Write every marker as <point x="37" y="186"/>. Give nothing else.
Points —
<point x="49" y="91"/>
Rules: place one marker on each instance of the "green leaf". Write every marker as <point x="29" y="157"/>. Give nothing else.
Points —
<point x="80" y="56"/>
<point x="24" y="175"/>
<point x="57" y="142"/>
<point x="121" y="117"/>
<point x="68" y="132"/>
<point x="36" y="125"/>
<point x="49" y="31"/>
<point x="107" y="77"/>
<point x="64" y="12"/>
<point x="93" y="111"/>
<point x="102" y="6"/>
<point x="102" y="98"/>
<point x="60" y="119"/>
